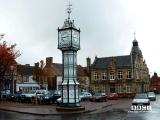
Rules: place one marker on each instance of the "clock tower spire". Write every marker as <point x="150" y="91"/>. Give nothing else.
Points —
<point x="69" y="10"/>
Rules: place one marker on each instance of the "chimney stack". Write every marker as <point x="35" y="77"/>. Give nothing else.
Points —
<point x="49" y="61"/>
<point x="88" y="63"/>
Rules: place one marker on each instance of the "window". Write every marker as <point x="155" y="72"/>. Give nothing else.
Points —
<point x="96" y="77"/>
<point x="120" y="74"/>
<point x="111" y="75"/>
<point x="128" y="88"/>
<point x="25" y="78"/>
<point x="103" y="89"/>
<point x="128" y="74"/>
<point x="104" y="76"/>
<point x="119" y="89"/>
<point x="96" y="89"/>
<point x="137" y="74"/>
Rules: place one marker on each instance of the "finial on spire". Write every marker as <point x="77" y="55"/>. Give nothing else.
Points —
<point x="69" y="9"/>
<point x="134" y="35"/>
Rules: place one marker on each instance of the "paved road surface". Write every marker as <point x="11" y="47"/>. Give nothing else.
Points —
<point x="154" y="114"/>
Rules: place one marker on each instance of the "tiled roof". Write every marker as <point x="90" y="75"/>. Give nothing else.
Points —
<point x="25" y="70"/>
<point x="82" y="71"/>
<point x="119" y="61"/>
<point x="58" y="68"/>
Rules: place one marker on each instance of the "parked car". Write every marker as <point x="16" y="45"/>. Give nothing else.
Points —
<point x="49" y="97"/>
<point x="11" y="97"/>
<point x="141" y="99"/>
<point x="99" y="97"/>
<point x="56" y="95"/>
<point x="32" y="96"/>
<point x="5" y="94"/>
<point x="151" y="96"/>
<point x="46" y="98"/>
<point x="85" y="96"/>
<point x="59" y="101"/>
<point x="112" y="96"/>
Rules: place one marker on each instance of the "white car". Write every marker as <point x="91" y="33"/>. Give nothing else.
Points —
<point x="141" y="99"/>
<point x="152" y="96"/>
<point x="85" y="96"/>
<point x="28" y="96"/>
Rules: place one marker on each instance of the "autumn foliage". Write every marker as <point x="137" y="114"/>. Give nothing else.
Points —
<point x="8" y="56"/>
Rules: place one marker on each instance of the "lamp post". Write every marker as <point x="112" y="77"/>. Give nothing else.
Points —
<point x="12" y="79"/>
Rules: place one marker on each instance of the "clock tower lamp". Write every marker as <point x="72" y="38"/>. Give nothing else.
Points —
<point x="69" y="44"/>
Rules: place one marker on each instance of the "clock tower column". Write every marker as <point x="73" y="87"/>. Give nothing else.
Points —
<point x="69" y="44"/>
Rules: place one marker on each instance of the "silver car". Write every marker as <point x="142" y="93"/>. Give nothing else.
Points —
<point x="141" y="99"/>
<point x="151" y="96"/>
<point x="85" y="96"/>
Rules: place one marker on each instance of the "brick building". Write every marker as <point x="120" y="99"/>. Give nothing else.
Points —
<point x="155" y="83"/>
<point x="125" y="75"/>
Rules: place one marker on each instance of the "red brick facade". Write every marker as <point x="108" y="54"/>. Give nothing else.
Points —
<point x="155" y="83"/>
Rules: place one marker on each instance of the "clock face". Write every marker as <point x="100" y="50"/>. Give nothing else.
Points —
<point x="64" y="38"/>
<point x="75" y="38"/>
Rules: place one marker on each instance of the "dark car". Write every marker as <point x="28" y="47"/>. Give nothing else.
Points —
<point x="5" y="94"/>
<point x="50" y="97"/>
<point x="11" y="97"/>
<point x="99" y="97"/>
<point x="17" y="96"/>
<point x="112" y="96"/>
<point x="46" y="98"/>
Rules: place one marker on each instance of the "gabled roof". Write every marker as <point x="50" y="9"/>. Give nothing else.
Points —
<point x="58" y="68"/>
<point x="82" y="71"/>
<point x="25" y="70"/>
<point x="119" y="61"/>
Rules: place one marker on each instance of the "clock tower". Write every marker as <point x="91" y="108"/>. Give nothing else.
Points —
<point x="69" y="44"/>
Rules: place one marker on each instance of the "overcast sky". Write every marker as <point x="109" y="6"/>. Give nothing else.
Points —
<point x="107" y="28"/>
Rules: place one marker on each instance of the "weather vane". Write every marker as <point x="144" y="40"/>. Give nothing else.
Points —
<point x="69" y="9"/>
<point x="134" y="35"/>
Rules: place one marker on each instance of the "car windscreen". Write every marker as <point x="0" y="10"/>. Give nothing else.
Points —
<point x="141" y="96"/>
<point x="151" y="93"/>
<point x="31" y="92"/>
<point x="97" y="94"/>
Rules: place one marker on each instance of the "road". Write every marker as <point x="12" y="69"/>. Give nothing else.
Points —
<point x="113" y="115"/>
<point x="154" y="114"/>
<point x="101" y="116"/>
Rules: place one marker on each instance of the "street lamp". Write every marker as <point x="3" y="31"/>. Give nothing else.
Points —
<point x="12" y="79"/>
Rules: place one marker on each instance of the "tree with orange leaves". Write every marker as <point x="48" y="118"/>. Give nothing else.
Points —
<point x="8" y="56"/>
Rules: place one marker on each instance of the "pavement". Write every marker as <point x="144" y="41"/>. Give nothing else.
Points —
<point x="90" y="107"/>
